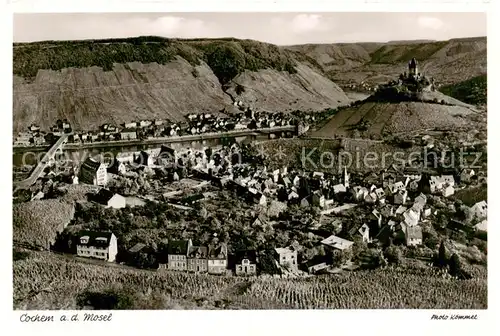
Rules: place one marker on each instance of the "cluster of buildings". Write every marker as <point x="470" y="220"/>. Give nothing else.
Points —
<point x="36" y="137"/>
<point x="183" y="256"/>
<point x="396" y="198"/>
<point x="158" y="128"/>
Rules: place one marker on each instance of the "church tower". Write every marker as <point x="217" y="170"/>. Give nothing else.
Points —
<point x="412" y="67"/>
<point x="345" y="177"/>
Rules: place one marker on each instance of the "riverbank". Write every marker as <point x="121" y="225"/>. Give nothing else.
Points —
<point x="160" y="140"/>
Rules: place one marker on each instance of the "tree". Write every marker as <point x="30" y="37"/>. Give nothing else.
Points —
<point x="226" y="62"/>
<point x="455" y="265"/>
<point x="442" y="260"/>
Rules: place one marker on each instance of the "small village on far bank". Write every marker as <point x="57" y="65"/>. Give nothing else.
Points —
<point x="195" y="124"/>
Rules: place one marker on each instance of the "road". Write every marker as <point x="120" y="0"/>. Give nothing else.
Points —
<point x="35" y="174"/>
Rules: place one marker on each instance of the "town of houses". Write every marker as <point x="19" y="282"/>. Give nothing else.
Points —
<point x="396" y="204"/>
<point x="246" y="118"/>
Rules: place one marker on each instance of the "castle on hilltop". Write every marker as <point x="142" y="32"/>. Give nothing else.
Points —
<point x="410" y="86"/>
<point x="414" y="78"/>
<point x="413" y="68"/>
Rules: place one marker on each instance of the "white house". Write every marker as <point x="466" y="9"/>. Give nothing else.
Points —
<point x="482" y="226"/>
<point x="466" y="174"/>
<point x="371" y="198"/>
<point x="380" y="194"/>
<point x="337" y="243"/>
<point x="99" y="245"/>
<point x="413" y="235"/>
<point x="131" y="125"/>
<point x="478" y="211"/>
<point x="110" y="199"/>
<point x="338" y="188"/>
<point x="287" y="257"/>
<point x="411" y="217"/>
<point x="359" y="193"/>
<point x="448" y="191"/>
<point x="93" y="172"/>
<point x="128" y="134"/>
<point x="448" y="180"/>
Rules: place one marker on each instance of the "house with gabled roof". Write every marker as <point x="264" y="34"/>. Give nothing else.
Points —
<point x="217" y="259"/>
<point x="197" y="259"/>
<point x="93" y="172"/>
<point x="466" y="175"/>
<point x="447" y="190"/>
<point x="177" y="254"/>
<point x="364" y="231"/>
<point x="359" y="193"/>
<point x="482" y="226"/>
<point x="246" y="263"/>
<point x="318" y="199"/>
<point x="99" y="245"/>
<point x="400" y="197"/>
<point x="287" y="257"/>
<point x="117" y="167"/>
<point x="110" y="200"/>
<point x="413" y="235"/>
<point x="337" y="243"/>
<point x="478" y="211"/>
<point x="411" y="217"/>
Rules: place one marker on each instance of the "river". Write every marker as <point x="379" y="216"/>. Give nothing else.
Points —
<point x="23" y="158"/>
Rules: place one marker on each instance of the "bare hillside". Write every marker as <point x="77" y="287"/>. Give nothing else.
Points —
<point x="280" y="91"/>
<point x="89" y="97"/>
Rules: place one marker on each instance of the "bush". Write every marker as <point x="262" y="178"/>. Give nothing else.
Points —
<point x="239" y="89"/>
<point x="19" y="255"/>
<point x="394" y="255"/>
<point x="108" y="300"/>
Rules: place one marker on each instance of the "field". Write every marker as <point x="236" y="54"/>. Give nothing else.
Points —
<point x="45" y="281"/>
<point x="37" y="223"/>
<point x="389" y="119"/>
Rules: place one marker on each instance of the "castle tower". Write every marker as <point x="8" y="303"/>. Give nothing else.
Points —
<point x="413" y="67"/>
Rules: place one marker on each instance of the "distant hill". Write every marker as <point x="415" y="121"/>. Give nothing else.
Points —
<point x="448" y="62"/>
<point x="472" y="91"/>
<point x="119" y="80"/>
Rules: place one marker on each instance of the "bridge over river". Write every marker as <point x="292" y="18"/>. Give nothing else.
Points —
<point x="47" y="160"/>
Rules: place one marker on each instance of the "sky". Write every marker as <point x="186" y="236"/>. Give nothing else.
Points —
<point x="277" y="28"/>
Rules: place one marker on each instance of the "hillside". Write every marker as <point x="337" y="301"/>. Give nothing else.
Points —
<point x="472" y="91"/>
<point x="120" y="80"/>
<point x="448" y="62"/>
<point x="371" y="119"/>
